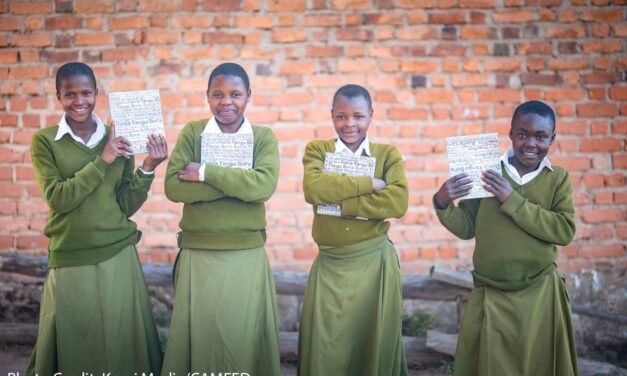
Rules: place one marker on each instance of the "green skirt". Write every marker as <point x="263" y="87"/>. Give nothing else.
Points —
<point x="225" y="315"/>
<point x="95" y="319"/>
<point x="527" y="332"/>
<point x="352" y="312"/>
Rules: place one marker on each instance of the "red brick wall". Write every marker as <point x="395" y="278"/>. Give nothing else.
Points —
<point x="435" y="69"/>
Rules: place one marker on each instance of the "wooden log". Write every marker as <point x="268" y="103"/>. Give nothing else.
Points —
<point x="418" y="355"/>
<point x="600" y="314"/>
<point x="455" y="278"/>
<point x="442" y="342"/>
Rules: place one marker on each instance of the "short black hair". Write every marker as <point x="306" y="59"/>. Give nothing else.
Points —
<point x="229" y="69"/>
<point x="351" y="91"/>
<point x="74" y="69"/>
<point x="534" y="107"/>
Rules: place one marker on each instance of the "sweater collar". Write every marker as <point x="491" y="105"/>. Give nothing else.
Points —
<point x="513" y="173"/>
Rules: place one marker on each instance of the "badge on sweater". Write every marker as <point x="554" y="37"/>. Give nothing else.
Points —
<point x="347" y="164"/>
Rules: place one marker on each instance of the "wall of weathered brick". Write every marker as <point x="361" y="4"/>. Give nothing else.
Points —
<point x="435" y="69"/>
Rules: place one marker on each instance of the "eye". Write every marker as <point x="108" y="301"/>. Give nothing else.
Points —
<point x="236" y="94"/>
<point x="521" y="136"/>
<point x="217" y="95"/>
<point x="340" y="117"/>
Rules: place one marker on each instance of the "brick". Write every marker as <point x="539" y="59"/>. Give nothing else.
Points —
<point x="32" y="242"/>
<point x="164" y="37"/>
<point x="539" y="79"/>
<point x="289" y="35"/>
<point x="219" y="6"/>
<point x="63" y="23"/>
<point x="158" y="6"/>
<point x="470" y="112"/>
<point x="440" y="131"/>
<point x="418" y="66"/>
<point x="383" y="18"/>
<point x="407" y="114"/>
<point x="192" y="21"/>
<point x="517" y="16"/>
<point x="602" y="15"/>
<point x="503" y="65"/>
<point x="93" y="39"/>
<point x="564" y="94"/>
<point x="500" y="96"/>
<point x="287" y="6"/>
<point x="31" y="40"/>
<point x="572" y="163"/>
<point x="602" y="46"/>
<point x="531" y="48"/>
<point x="90" y="6"/>
<point x="322" y="20"/>
<point x="448" y="49"/>
<point x="30" y="8"/>
<point x="566" y="31"/>
<point x="434" y="96"/>
<point x="472" y="4"/>
<point x="258" y="22"/>
<point x="618" y="93"/>
<point x="600" y="145"/>
<point x="416" y="33"/>
<point x="466" y="80"/>
<point x="357" y="65"/>
<point x="448" y="17"/>
<point x="602" y="250"/>
<point x="350" y="4"/>
<point x="596" y="109"/>
<point x="353" y="33"/>
<point x="220" y="37"/>
<point x="29" y="72"/>
<point x="126" y="23"/>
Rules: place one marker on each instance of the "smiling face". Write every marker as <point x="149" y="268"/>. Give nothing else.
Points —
<point x="77" y="95"/>
<point x="532" y="135"/>
<point x="351" y="119"/>
<point x="228" y="97"/>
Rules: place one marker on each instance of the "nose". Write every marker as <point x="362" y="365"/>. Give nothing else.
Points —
<point x="225" y="100"/>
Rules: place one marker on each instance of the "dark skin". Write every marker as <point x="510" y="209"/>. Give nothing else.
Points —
<point x="77" y="95"/>
<point x="227" y="97"/>
<point x="531" y="135"/>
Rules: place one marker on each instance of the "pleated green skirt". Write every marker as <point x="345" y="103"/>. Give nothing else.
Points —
<point x="225" y="316"/>
<point x="352" y="312"/>
<point x="97" y="319"/>
<point x="521" y="333"/>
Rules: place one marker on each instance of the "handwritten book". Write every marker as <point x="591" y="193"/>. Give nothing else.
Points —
<point x="471" y="155"/>
<point x="233" y="150"/>
<point x="348" y="164"/>
<point x="137" y="114"/>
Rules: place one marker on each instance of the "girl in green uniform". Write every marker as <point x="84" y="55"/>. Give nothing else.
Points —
<point x="352" y="310"/>
<point x="95" y="311"/>
<point x="517" y="319"/>
<point x="224" y="318"/>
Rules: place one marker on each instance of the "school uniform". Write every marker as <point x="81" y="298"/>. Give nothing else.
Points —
<point x="224" y="317"/>
<point x="95" y="311"/>
<point x="517" y="320"/>
<point x="352" y="310"/>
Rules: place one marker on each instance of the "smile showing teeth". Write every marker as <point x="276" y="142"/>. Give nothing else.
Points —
<point x="530" y="154"/>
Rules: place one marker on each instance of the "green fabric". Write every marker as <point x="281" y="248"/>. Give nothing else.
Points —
<point x="90" y="202"/>
<point x="355" y="194"/>
<point x="352" y="312"/>
<point x="224" y="317"/>
<point x="516" y="241"/>
<point x="523" y="333"/>
<point x="95" y="319"/>
<point x="227" y="210"/>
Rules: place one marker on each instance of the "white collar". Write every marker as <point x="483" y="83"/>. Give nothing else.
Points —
<point x="213" y="127"/>
<point x="64" y="128"/>
<point x="364" y="147"/>
<point x="513" y="172"/>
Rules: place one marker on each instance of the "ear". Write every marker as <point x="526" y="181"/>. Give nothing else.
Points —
<point x="58" y="96"/>
<point x="248" y="94"/>
<point x="552" y="139"/>
<point x="207" y="96"/>
<point x="511" y="135"/>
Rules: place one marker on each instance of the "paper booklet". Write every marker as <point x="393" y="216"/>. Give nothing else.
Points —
<point x="348" y="164"/>
<point x="233" y="150"/>
<point x="471" y="155"/>
<point x="137" y="114"/>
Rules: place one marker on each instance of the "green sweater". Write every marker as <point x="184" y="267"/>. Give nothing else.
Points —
<point x="227" y="210"/>
<point x="515" y="242"/>
<point x="90" y="201"/>
<point x="355" y="194"/>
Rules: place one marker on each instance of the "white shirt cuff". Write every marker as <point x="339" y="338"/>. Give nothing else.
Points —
<point x="146" y="172"/>
<point x="201" y="172"/>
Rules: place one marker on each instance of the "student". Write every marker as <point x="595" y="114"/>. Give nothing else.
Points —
<point x="95" y="311"/>
<point x="517" y="319"/>
<point x="352" y="310"/>
<point x="224" y="317"/>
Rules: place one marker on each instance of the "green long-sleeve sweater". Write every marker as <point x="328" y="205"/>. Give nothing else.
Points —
<point x="364" y="211"/>
<point x="227" y="210"/>
<point x="515" y="242"/>
<point x="90" y="201"/>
